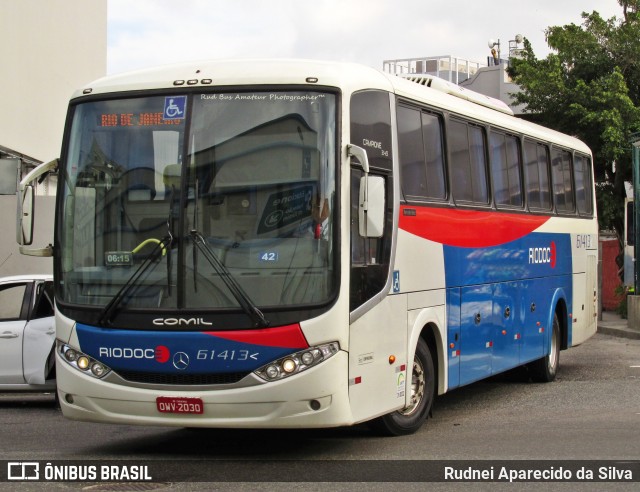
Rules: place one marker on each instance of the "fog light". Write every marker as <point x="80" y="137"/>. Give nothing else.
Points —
<point x="272" y="372"/>
<point x="98" y="369"/>
<point x="71" y="355"/>
<point x="307" y="358"/>
<point x="289" y="365"/>
<point x="83" y="362"/>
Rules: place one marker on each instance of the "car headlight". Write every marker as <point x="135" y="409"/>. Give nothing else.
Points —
<point x="82" y="362"/>
<point x="297" y="362"/>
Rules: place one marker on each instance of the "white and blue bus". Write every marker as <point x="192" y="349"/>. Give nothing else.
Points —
<point x="306" y="244"/>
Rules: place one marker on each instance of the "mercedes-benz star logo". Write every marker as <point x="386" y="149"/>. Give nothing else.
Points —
<point x="180" y="361"/>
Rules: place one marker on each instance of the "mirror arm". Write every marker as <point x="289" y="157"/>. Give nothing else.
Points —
<point x="47" y="251"/>
<point x="36" y="173"/>
<point x="360" y="154"/>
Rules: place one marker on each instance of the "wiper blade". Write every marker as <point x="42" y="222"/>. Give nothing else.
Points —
<point x="238" y="292"/>
<point x="110" y="309"/>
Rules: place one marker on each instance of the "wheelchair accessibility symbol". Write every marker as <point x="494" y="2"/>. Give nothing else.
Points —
<point x="174" y="107"/>
<point x="396" y="281"/>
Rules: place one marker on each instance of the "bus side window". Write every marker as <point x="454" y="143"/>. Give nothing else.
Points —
<point x="468" y="163"/>
<point x="505" y="167"/>
<point x="434" y="152"/>
<point x="582" y="178"/>
<point x="421" y="155"/>
<point x="411" y="151"/>
<point x="562" y="182"/>
<point x="537" y="176"/>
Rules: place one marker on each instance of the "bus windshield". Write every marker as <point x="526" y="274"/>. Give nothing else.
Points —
<point x="203" y="201"/>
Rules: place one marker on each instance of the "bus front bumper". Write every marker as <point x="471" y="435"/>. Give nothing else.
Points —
<point x="317" y="397"/>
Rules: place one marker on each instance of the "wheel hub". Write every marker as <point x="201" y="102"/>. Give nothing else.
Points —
<point x="417" y="388"/>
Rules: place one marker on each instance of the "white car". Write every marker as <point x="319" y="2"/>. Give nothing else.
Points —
<point x="27" y="333"/>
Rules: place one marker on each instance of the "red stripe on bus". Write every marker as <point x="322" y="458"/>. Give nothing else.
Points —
<point x="467" y="228"/>
<point x="289" y="336"/>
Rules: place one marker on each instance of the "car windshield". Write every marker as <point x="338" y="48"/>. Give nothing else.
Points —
<point x="155" y="187"/>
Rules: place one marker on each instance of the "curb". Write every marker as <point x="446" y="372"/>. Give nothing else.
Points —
<point x="619" y="332"/>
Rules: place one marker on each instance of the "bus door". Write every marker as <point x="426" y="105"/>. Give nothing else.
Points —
<point x="378" y="330"/>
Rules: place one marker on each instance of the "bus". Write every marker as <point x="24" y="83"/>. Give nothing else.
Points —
<point x="288" y="244"/>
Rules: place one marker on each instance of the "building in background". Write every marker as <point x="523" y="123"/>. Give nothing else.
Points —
<point x="48" y="49"/>
<point x="489" y="78"/>
<point x="451" y="68"/>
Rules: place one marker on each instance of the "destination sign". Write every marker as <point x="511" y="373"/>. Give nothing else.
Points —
<point x="135" y="119"/>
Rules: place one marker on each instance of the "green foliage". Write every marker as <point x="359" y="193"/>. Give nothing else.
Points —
<point x="621" y="293"/>
<point x="589" y="86"/>
<point x="610" y="213"/>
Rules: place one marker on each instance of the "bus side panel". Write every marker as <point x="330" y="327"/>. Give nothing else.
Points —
<point x="508" y="293"/>
<point x="476" y="330"/>
<point x="584" y="245"/>
<point x="501" y="325"/>
<point x="508" y="324"/>
<point x="584" y="319"/>
<point x="453" y="334"/>
<point x="427" y="314"/>
<point x="535" y="301"/>
<point x="376" y="384"/>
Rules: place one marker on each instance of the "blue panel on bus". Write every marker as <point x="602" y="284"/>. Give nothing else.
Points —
<point x="169" y="352"/>
<point x="532" y="256"/>
<point x="500" y="302"/>
<point x="509" y="323"/>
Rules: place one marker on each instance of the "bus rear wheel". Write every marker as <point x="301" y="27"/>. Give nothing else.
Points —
<point x="544" y="370"/>
<point x="422" y="388"/>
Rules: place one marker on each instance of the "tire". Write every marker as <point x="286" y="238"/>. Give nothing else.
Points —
<point x="544" y="370"/>
<point x="410" y="419"/>
<point x="56" y="399"/>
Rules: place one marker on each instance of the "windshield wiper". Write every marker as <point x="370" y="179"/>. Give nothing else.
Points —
<point x="110" y="309"/>
<point x="241" y="296"/>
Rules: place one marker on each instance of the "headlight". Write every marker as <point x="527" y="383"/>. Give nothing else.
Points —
<point x="82" y="362"/>
<point x="298" y="362"/>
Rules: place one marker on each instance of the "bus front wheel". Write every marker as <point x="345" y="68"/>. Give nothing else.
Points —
<point x="422" y="388"/>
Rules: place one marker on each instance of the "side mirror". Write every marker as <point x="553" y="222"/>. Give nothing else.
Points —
<point x="371" y="209"/>
<point x="24" y="217"/>
<point x="371" y="198"/>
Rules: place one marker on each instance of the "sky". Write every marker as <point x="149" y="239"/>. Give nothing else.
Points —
<point x="145" y="33"/>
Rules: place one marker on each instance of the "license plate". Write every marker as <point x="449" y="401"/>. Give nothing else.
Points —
<point x="174" y="404"/>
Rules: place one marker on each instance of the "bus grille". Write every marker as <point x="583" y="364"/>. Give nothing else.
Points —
<point x="182" y="379"/>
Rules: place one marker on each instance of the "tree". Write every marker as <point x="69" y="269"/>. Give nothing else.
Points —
<point x="589" y="86"/>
